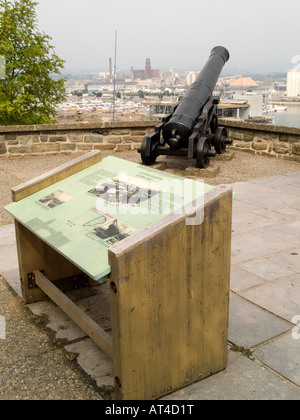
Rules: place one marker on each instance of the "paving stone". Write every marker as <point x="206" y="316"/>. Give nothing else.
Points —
<point x="7" y="235"/>
<point x="265" y="241"/>
<point x="94" y="362"/>
<point x="261" y="196"/>
<point x="240" y="206"/>
<point x="57" y="321"/>
<point x="243" y="379"/>
<point x="8" y="258"/>
<point x="241" y="280"/>
<point x="250" y="325"/>
<point x="266" y="269"/>
<point x="276" y="215"/>
<point x="246" y="222"/>
<point x="282" y="355"/>
<point x="290" y="211"/>
<point x="281" y="297"/>
<point x="282" y="182"/>
<point x="290" y="259"/>
<point x="12" y="277"/>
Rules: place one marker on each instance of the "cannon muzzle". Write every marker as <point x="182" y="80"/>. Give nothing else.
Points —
<point x="178" y="129"/>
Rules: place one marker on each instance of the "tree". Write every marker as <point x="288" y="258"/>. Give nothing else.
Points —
<point x="28" y="93"/>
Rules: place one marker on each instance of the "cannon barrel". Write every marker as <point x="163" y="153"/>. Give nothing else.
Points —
<point x="178" y="129"/>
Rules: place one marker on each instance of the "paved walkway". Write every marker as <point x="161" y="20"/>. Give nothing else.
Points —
<point x="264" y="330"/>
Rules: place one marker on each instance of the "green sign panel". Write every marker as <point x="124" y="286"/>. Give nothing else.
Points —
<point x="87" y="213"/>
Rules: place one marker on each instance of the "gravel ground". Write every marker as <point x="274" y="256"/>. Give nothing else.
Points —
<point x="34" y="366"/>
<point x="233" y="166"/>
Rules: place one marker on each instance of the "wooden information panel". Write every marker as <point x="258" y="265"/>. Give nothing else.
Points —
<point x="166" y="244"/>
<point x="86" y="213"/>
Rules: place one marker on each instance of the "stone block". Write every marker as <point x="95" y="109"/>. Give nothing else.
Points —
<point x="93" y="138"/>
<point x="54" y="139"/>
<point x="76" y="138"/>
<point x="122" y="147"/>
<point x="160" y="166"/>
<point x="281" y="148"/>
<point x="84" y="147"/>
<point x="296" y="149"/>
<point x="45" y="147"/>
<point x="236" y="135"/>
<point x="135" y="139"/>
<point x="19" y="149"/>
<point x="252" y="152"/>
<point x="248" y="135"/>
<point x="43" y="138"/>
<point x="10" y="136"/>
<point x="289" y="138"/>
<point x="120" y="132"/>
<point x="291" y="158"/>
<point x="68" y="146"/>
<point x="270" y="136"/>
<point x="3" y="149"/>
<point x="138" y="133"/>
<point x="225" y="157"/>
<point x="242" y="144"/>
<point x="104" y="146"/>
<point x="114" y="140"/>
<point x="12" y="142"/>
<point x="259" y="145"/>
<point x="209" y="172"/>
<point x="24" y="139"/>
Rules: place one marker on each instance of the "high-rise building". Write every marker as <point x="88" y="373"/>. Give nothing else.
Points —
<point x="293" y="83"/>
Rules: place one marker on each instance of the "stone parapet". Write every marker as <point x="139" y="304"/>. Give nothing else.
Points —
<point x="264" y="139"/>
<point x="32" y="140"/>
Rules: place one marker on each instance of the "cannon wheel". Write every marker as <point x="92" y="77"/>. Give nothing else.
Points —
<point x="202" y="152"/>
<point x="219" y="140"/>
<point x="147" y="160"/>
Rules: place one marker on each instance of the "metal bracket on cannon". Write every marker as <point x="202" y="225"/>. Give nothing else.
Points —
<point x="206" y="134"/>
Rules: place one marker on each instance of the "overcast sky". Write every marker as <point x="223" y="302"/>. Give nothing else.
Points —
<point x="259" y="34"/>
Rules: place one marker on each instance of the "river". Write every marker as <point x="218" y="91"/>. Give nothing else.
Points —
<point x="289" y="118"/>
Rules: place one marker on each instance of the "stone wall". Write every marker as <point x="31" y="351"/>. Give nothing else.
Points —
<point x="269" y="140"/>
<point x="264" y="139"/>
<point x="70" y="138"/>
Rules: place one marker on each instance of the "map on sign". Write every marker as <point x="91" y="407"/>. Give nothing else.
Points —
<point x="88" y="212"/>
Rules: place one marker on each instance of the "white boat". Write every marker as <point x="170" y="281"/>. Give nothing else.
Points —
<point x="279" y="108"/>
<point x="269" y="109"/>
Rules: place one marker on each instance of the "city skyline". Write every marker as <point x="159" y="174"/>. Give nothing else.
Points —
<point x="258" y="35"/>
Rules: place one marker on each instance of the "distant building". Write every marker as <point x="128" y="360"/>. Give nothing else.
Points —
<point x="255" y="101"/>
<point x="191" y="77"/>
<point x="146" y="74"/>
<point x="242" y="83"/>
<point x="293" y="83"/>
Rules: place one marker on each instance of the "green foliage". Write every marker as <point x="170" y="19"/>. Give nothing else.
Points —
<point x="28" y="94"/>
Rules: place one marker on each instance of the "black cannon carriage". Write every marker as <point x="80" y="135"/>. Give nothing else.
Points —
<point x="191" y="129"/>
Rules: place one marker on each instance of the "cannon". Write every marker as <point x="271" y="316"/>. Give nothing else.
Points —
<point x="191" y="129"/>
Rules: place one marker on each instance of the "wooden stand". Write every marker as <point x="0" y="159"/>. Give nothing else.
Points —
<point x="169" y="293"/>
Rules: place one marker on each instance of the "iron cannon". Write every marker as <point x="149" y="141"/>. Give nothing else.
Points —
<point x="191" y="129"/>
